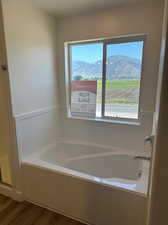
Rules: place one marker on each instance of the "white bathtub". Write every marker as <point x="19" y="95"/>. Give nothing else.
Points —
<point x="77" y="180"/>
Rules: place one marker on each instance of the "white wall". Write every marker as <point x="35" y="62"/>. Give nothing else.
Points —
<point x="31" y="39"/>
<point x="31" y="51"/>
<point x="131" y="19"/>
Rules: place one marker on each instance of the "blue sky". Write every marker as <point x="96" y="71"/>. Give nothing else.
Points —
<point x="93" y="52"/>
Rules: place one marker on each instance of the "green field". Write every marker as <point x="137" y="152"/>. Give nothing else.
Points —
<point x="120" y="84"/>
<point x="120" y="91"/>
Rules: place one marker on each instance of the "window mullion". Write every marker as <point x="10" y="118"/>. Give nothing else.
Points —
<point x="104" y="78"/>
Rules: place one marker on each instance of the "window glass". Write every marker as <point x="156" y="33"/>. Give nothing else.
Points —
<point x="86" y="76"/>
<point x="105" y="79"/>
<point x="123" y="75"/>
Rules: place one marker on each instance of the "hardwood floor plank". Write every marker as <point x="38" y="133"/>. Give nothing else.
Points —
<point x="45" y="219"/>
<point x="5" y="205"/>
<point x="8" y="218"/>
<point x="67" y="221"/>
<point x="55" y="220"/>
<point x="28" y="216"/>
<point x="24" y="213"/>
<point x="8" y="209"/>
<point x="3" y="200"/>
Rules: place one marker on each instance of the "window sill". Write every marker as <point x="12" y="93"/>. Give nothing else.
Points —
<point x="109" y="121"/>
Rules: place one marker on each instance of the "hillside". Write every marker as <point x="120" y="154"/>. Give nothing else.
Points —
<point x="119" y="67"/>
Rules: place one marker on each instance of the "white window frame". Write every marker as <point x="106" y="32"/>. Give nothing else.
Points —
<point x="105" y="42"/>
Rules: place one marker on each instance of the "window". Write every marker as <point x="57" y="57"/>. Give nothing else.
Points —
<point x="104" y="78"/>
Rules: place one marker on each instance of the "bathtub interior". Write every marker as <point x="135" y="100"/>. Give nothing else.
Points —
<point x="93" y="162"/>
<point x="100" y="164"/>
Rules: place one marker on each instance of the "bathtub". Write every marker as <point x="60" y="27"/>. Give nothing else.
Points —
<point x="94" y="184"/>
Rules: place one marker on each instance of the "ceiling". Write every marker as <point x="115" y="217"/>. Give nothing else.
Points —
<point x="61" y="8"/>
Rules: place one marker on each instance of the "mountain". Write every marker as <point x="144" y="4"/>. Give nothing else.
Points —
<point x="118" y="67"/>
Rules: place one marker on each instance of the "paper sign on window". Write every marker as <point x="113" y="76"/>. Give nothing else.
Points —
<point x="83" y="98"/>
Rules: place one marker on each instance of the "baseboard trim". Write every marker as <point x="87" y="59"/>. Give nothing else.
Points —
<point x="18" y="196"/>
<point x="6" y="190"/>
<point x="9" y="192"/>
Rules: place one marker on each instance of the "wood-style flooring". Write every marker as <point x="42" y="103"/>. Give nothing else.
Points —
<point x="24" y="213"/>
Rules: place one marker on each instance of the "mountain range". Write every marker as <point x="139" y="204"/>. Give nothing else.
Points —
<point x="118" y="67"/>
